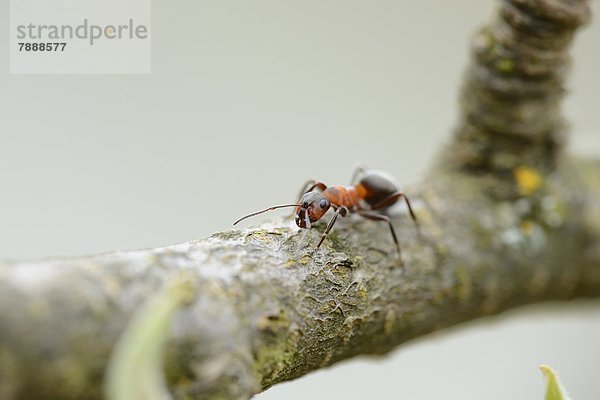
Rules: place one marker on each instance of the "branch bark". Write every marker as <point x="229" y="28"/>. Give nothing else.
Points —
<point x="508" y="219"/>
<point x="513" y="88"/>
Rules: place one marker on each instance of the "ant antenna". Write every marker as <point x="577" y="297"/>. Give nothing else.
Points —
<point x="265" y="210"/>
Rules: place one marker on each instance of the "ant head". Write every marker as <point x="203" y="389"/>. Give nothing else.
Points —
<point x="313" y="205"/>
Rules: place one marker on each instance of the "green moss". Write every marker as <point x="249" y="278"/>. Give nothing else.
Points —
<point x="273" y="357"/>
<point x="276" y="347"/>
<point x="505" y="65"/>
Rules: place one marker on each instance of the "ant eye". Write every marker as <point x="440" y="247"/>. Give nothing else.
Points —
<point x="324" y="203"/>
<point x="305" y="204"/>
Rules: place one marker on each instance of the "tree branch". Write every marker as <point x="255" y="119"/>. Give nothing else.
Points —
<point x="267" y="308"/>
<point x="266" y="311"/>
<point x="513" y="88"/>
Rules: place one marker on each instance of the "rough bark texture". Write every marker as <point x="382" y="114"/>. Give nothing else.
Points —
<point x="513" y="88"/>
<point x="507" y="220"/>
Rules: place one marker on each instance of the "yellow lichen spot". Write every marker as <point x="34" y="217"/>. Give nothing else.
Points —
<point x="528" y="179"/>
<point x="527" y="227"/>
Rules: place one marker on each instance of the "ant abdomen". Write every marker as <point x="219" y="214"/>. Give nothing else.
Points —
<point x="377" y="186"/>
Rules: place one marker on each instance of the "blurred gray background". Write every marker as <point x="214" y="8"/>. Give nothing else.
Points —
<point x="246" y="100"/>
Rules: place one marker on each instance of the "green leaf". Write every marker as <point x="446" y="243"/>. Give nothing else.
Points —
<point x="135" y="370"/>
<point x="554" y="389"/>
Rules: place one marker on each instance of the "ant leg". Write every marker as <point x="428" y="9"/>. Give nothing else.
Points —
<point x="380" y="217"/>
<point x="391" y="199"/>
<point x="358" y="171"/>
<point x="343" y="211"/>
<point x="310" y="185"/>
<point x="316" y="185"/>
<point x="304" y="187"/>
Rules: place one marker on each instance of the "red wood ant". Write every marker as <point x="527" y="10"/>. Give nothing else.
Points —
<point x="369" y="197"/>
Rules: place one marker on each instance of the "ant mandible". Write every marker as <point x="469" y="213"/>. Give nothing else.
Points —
<point x="369" y="197"/>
